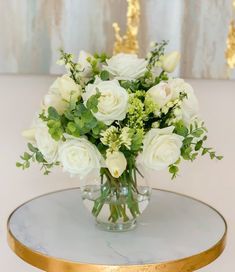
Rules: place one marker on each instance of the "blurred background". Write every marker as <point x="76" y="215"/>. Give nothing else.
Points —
<point x="33" y="30"/>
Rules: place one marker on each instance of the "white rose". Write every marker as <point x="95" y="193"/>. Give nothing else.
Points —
<point x="86" y="70"/>
<point x="161" y="148"/>
<point x="78" y="156"/>
<point x="113" y="102"/>
<point x="116" y="163"/>
<point x="63" y="90"/>
<point x="45" y="143"/>
<point x="126" y="66"/>
<point x="66" y="88"/>
<point x="190" y="105"/>
<point x="161" y="94"/>
<point x="170" y="61"/>
<point x="55" y="101"/>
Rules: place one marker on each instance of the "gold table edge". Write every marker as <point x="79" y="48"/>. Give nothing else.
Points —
<point x="52" y="264"/>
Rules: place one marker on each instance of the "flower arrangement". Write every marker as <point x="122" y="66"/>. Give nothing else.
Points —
<point x="107" y="115"/>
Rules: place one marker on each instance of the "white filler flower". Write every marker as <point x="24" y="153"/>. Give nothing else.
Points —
<point x="78" y="156"/>
<point x="113" y="102"/>
<point x="161" y="148"/>
<point x="190" y="105"/>
<point x="126" y="66"/>
<point x="63" y="90"/>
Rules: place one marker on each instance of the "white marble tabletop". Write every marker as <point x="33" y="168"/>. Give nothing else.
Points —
<point x="173" y="227"/>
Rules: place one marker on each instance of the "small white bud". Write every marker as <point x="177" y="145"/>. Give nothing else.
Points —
<point x="116" y="163"/>
<point x="170" y="61"/>
<point x="29" y="134"/>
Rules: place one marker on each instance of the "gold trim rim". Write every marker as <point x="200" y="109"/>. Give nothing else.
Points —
<point x="53" y="264"/>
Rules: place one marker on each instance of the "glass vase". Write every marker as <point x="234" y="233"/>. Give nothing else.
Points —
<point x="116" y="203"/>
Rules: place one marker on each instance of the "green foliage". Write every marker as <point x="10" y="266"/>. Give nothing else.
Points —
<point x="94" y="65"/>
<point x="137" y="140"/>
<point x="72" y="67"/>
<point x="35" y="156"/>
<point x="162" y="77"/>
<point x="55" y="129"/>
<point x="137" y="114"/>
<point x="167" y="115"/>
<point x="81" y="121"/>
<point x="77" y="120"/>
<point x="92" y="102"/>
<point x="53" y="114"/>
<point x="95" y="62"/>
<point x="131" y="86"/>
<point x="101" y="57"/>
<point x="54" y="123"/>
<point x="173" y="169"/>
<point x="193" y="142"/>
<point x="155" y="54"/>
<point x="100" y="126"/>
<point x="126" y="135"/>
<point x="181" y="129"/>
<point x="42" y="116"/>
<point x="104" y="75"/>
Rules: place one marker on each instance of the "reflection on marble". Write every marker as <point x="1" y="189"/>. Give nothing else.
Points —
<point x="32" y="31"/>
<point x="172" y="227"/>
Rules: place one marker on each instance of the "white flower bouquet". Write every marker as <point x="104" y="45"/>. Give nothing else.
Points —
<point x="107" y="118"/>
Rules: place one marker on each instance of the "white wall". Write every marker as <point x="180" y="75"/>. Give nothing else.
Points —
<point x="210" y="181"/>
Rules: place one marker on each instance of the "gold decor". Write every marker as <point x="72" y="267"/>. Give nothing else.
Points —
<point x="230" y="52"/>
<point x="128" y="43"/>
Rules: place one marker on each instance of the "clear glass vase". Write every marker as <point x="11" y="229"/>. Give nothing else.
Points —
<point x="116" y="202"/>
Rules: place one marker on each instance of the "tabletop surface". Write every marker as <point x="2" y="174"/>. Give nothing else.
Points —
<point x="172" y="227"/>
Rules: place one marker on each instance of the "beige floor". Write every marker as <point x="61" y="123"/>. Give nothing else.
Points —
<point x="210" y="181"/>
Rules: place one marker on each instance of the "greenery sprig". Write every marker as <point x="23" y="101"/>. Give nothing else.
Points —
<point x="156" y="53"/>
<point x="34" y="155"/>
<point x="73" y="67"/>
<point x="193" y="144"/>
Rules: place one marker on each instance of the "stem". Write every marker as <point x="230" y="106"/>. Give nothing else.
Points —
<point x="120" y="201"/>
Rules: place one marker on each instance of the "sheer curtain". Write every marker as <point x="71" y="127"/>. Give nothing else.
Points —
<point x="198" y="29"/>
<point x="33" y="30"/>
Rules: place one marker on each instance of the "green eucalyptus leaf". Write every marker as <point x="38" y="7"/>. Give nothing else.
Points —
<point x="173" y="169"/>
<point x="79" y="122"/>
<point x="71" y="127"/>
<point x="32" y="148"/>
<point x="53" y="114"/>
<point x="181" y="129"/>
<point x="39" y="157"/>
<point x="198" y="145"/>
<point x="104" y="75"/>
<point x="92" y="102"/>
<point x="188" y="140"/>
<point x="197" y="133"/>
<point x="26" y="156"/>
<point x="69" y="115"/>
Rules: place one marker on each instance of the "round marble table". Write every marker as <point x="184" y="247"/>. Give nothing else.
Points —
<point x="55" y="233"/>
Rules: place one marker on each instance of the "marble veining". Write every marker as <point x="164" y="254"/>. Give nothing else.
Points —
<point x="172" y="227"/>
